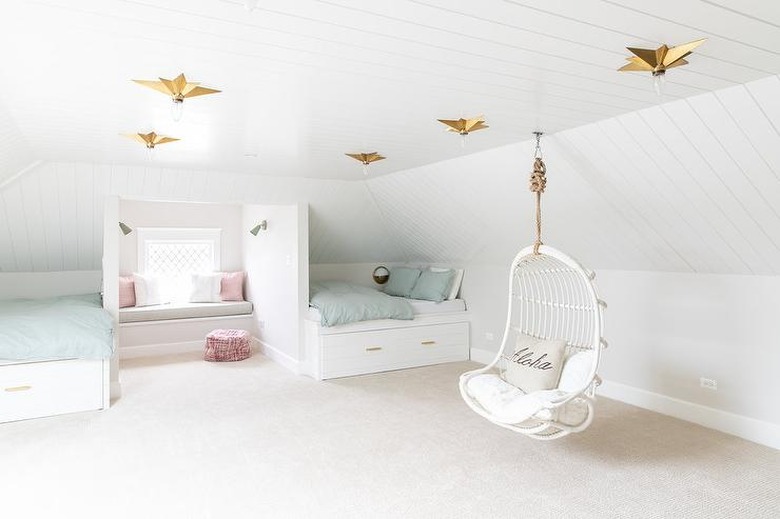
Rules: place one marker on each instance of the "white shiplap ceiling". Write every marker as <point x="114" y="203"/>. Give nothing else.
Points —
<point x="305" y="81"/>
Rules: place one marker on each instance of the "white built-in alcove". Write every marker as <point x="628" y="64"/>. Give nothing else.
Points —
<point x="275" y="260"/>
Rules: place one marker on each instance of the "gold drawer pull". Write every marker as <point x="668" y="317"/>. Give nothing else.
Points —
<point x="18" y="388"/>
<point x="374" y="348"/>
<point x="428" y="343"/>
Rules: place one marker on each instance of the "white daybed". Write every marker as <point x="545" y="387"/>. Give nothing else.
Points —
<point x="54" y="357"/>
<point x="438" y="333"/>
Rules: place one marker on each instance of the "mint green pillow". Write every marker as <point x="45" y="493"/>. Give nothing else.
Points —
<point x="401" y="281"/>
<point x="433" y="286"/>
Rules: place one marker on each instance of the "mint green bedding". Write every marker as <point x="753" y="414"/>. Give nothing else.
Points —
<point x="342" y="303"/>
<point x="57" y="328"/>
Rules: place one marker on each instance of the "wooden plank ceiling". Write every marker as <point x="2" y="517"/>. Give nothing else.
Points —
<point x="305" y="81"/>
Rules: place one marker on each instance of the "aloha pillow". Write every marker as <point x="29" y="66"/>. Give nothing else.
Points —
<point x="536" y="363"/>
<point x="433" y="286"/>
<point x="148" y="291"/>
<point x="126" y="291"/>
<point x="205" y="288"/>
<point x="401" y="282"/>
<point x="232" y="286"/>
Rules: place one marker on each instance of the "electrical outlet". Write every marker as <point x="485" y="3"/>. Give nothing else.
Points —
<point x="489" y="336"/>
<point x="708" y="383"/>
<point x="261" y="325"/>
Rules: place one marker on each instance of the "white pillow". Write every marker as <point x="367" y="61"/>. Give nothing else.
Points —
<point x="576" y="369"/>
<point x="457" y="279"/>
<point x="205" y="288"/>
<point x="148" y="290"/>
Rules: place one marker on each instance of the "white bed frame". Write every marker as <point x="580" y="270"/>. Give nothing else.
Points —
<point x="385" y="345"/>
<point x="34" y="389"/>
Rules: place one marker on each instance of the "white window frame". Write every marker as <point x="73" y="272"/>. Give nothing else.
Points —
<point x="182" y="235"/>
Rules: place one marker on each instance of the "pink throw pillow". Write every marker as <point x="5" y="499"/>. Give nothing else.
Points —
<point x="126" y="291"/>
<point x="232" y="287"/>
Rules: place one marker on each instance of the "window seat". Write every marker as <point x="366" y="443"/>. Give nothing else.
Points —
<point x="139" y="314"/>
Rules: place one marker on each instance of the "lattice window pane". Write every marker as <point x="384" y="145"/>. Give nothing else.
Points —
<point x="178" y="258"/>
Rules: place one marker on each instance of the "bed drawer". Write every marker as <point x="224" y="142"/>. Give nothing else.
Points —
<point x="370" y="352"/>
<point x="37" y="389"/>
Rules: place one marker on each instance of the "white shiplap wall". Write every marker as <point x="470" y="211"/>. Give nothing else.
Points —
<point x="51" y="218"/>
<point x="688" y="186"/>
<point x="15" y="152"/>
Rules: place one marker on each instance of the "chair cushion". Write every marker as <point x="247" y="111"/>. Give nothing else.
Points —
<point x="536" y="364"/>
<point x="506" y="403"/>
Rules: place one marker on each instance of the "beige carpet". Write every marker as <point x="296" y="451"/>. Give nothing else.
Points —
<point x="191" y="439"/>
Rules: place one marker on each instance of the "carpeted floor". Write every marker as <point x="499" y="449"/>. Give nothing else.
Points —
<point x="191" y="439"/>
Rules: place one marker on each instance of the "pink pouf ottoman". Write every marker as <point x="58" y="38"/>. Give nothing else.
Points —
<point x="227" y="345"/>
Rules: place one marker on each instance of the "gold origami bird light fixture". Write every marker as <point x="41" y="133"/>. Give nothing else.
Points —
<point x="657" y="61"/>
<point x="178" y="89"/>
<point x="464" y="126"/>
<point x="366" y="159"/>
<point x="150" y="140"/>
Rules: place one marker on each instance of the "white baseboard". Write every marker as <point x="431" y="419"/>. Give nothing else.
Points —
<point x="115" y="392"/>
<point x="279" y="357"/>
<point x="751" y="429"/>
<point x="481" y="356"/>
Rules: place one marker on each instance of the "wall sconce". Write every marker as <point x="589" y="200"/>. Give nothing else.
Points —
<point x="262" y="226"/>
<point x="125" y="228"/>
<point x="381" y="275"/>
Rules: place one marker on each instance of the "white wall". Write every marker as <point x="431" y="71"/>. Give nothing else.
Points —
<point x="145" y="213"/>
<point x="277" y="277"/>
<point x="667" y="330"/>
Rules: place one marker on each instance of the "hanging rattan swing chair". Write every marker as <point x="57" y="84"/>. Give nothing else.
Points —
<point x="551" y="297"/>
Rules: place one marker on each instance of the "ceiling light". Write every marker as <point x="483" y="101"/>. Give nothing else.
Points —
<point x="366" y="159"/>
<point x="178" y="89"/>
<point x="465" y="126"/>
<point x="657" y="61"/>
<point x="150" y="140"/>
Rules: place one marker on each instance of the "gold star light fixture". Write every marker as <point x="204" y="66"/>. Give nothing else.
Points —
<point x="656" y="61"/>
<point x="465" y="126"/>
<point x="178" y="89"/>
<point x="366" y="159"/>
<point x="150" y="140"/>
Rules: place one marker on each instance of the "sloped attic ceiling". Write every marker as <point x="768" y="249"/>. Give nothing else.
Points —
<point x="687" y="186"/>
<point x="690" y="186"/>
<point x="15" y="153"/>
<point x="304" y="82"/>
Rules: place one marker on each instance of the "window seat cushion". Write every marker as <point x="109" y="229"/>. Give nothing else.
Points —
<point x="138" y="314"/>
